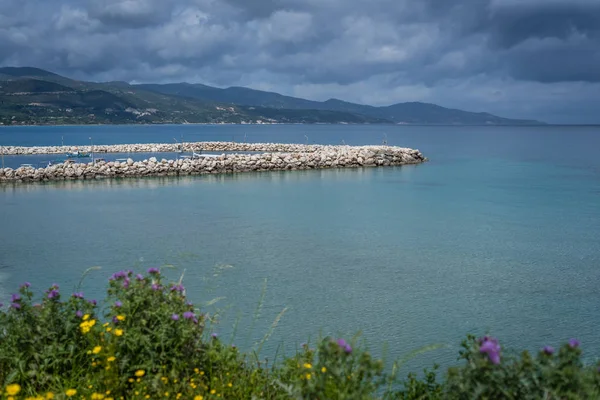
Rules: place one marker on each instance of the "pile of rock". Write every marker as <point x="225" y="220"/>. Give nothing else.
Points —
<point x="321" y="157"/>
<point x="171" y="147"/>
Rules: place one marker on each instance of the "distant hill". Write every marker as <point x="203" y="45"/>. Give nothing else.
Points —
<point x="401" y="113"/>
<point x="34" y="96"/>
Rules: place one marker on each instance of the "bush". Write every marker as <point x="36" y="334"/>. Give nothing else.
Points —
<point x="150" y="342"/>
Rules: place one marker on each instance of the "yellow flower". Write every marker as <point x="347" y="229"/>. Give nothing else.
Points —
<point x="323" y="370"/>
<point x="229" y="384"/>
<point x="118" y="332"/>
<point x="178" y="395"/>
<point x="111" y="359"/>
<point x="71" y="392"/>
<point x="49" y="396"/>
<point x="86" y="317"/>
<point x="97" y="396"/>
<point x="166" y="394"/>
<point x="13" y="389"/>
<point x="198" y="397"/>
<point x="307" y="366"/>
<point x="140" y="372"/>
<point x="97" y="349"/>
<point x="108" y="329"/>
<point x="130" y="380"/>
<point x="213" y="391"/>
<point x="308" y="376"/>
<point x="121" y="317"/>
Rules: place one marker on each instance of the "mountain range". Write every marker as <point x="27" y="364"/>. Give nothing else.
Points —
<point x="35" y="96"/>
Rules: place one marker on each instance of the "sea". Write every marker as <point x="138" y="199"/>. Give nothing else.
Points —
<point x="498" y="233"/>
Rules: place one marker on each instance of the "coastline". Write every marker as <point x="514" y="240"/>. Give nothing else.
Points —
<point x="274" y="157"/>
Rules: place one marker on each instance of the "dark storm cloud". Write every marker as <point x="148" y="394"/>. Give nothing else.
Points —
<point x="379" y="51"/>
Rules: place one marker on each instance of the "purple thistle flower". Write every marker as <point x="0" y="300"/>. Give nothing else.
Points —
<point x="79" y="313"/>
<point x="54" y="286"/>
<point x="115" y="320"/>
<point x="118" y="275"/>
<point x="16" y="306"/>
<point x="155" y="286"/>
<point x="233" y="346"/>
<point x="189" y="304"/>
<point x="348" y="349"/>
<point x="139" y="277"/>
<point x="78" y="295"/>
<point x="573" y="343"/>
<point x="53" y="294"/>
<point x="93" y="302"/>
<point x="491" y="347"/>
<point x="195" y="320"/>
<point x="177" y="288"/>
<point x="15" y="297"/>
<point x="25" y="285"/>
<point x="118" y="304"/>
<point x="175" y="317"/>
<point x="548" y="350"/>
<point x="153" y="270"/>
<point x="126" y="283"/>
<point x="214" y="335"/>
<point x="188" y="315"/>
<point x="341" y="343"/>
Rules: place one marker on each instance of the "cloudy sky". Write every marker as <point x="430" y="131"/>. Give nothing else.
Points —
<point x="515" y="58"/>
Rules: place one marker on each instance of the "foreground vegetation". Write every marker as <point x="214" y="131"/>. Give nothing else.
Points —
<point x="150" y="342"/>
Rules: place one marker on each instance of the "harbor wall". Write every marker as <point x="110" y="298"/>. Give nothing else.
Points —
<point x="302" y="157"/>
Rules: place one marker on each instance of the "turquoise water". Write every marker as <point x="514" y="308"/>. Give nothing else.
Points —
<point x="499" y="232"/>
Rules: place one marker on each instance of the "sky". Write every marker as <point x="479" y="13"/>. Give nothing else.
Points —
<point x="536" y="59"/>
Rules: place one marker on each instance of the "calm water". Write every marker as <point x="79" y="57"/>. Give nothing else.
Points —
<point x="499" y="232"/>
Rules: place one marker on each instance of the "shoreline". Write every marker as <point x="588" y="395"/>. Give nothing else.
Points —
<point x="275" y="157"/>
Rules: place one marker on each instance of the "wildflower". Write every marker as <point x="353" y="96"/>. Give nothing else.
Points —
<point x="15" y="298"/>
<point x="155" y="286"/>
<point x="86" y="326"/>
<point x="214" y="335"/>
<point x="111" y="359"/>
<point x="118" y="304"/>
<point x="93" y="302"/>
<point x="573" y="343"/>
<point x="49" y="396"/>
<point x="25" y="285"/>
<point x="198" y="397"/>
<point x="86" y="317"/>
<point x="97" y="396"/>
<point x="323" y="370"/>
<point x="16" y="306"/>
<point x="13" y="389"/>
<point x="213" y="391"/>
<point x="121" y="317"/>
<point x="78" y="295"/>
<point x="139" y="277"/>
<point x="79" y="313"/>
<point x="97" y="349"/>
<point x="548" y="350"/>
<point x="71" y="392"/>
<point x="153" y="271"/>
<point x="491" y="347"/>
<point x="188" y="315"/>
<point x="175" y="317"/>
<point x="307" y="366"/>
<point x="139" y="373"/>
<point x="126" y="283"/>
<point x="118" y="332"/>
<point x="177" y="288"/>
<point x="230" y="384"/>
<point x="308" y="376"/>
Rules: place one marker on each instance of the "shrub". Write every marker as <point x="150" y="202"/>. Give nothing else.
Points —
<point x="150" y="342"/>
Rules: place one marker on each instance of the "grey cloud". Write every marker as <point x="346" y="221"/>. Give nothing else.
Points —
<point x="392" y="50"/>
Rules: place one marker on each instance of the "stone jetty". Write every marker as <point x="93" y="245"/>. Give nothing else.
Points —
<point x="275" y="157"/>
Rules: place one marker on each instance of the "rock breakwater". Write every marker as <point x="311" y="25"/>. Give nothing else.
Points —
<point x="302" y="158"/>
